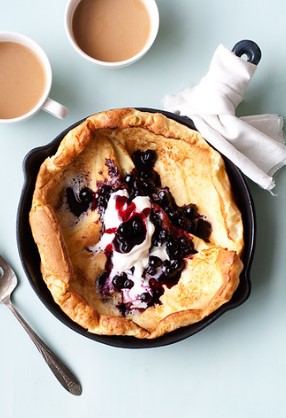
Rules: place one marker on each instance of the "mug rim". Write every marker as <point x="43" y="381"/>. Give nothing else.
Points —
<point x="153" y="12"/>
<point x="20" y="38"/>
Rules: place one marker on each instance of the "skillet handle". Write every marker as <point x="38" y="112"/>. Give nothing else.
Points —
<point x="248" y="48"/>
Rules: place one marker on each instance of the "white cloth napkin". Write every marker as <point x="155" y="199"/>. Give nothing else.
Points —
<point x="255" y="144"/>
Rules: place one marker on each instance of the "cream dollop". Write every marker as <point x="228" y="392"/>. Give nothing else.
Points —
<point x="112" y="220"/>
<point x="134" y="262"/>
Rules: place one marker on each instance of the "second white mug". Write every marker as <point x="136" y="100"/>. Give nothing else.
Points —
<point x="112" y="33"/>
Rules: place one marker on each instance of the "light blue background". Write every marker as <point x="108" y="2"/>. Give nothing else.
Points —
<point x="237" y="366"/>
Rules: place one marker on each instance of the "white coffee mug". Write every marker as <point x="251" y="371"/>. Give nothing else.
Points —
<point x="153" y="13"/>
<point x="45" y="102"/>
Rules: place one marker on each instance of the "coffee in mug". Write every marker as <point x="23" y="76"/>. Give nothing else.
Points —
<point x="25" y="79"/>
<point x="22" y="79"/>
<point x="111" y="30"/>
<point x="112" y="33"/>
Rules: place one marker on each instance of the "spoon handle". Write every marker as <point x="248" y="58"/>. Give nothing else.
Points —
<point x="61" y="372"/>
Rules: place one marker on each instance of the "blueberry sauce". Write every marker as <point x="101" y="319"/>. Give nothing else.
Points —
<point x="159" y="228"/>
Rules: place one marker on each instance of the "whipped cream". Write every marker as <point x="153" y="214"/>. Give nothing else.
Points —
<point x="136" y="260"/>
<point x="112" y="219"/>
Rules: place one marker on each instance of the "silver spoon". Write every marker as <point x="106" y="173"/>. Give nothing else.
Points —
<point x="8" y="282"/>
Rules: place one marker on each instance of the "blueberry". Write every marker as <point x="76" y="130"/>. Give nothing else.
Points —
<point x="177" y="265"/>
<point x="144" y="160"/>
<point x="129" y="233"/>
<point x="173" y="249"/>
<point x="75" y="202"/>
<point x="135" y="190"/>
<point x="119" y="239"/>
<point x="163" y="235"/>
<point x="155" y="261"/>
<point x="137" y="185"/>
<point x="171" y="272"/>
<point x="121" y="245"/>
<point x="138" y="229"/>
<point x="172" y="268"/>
<point x="167" y="202"/>
<point x="86" y="195"/>
<point x="124" y="230"/>
<point x="118" y="280"/>
<point x="137" y="226"/>
<point x="160" y="236"/>
<point x="128" y="284"/>
<point x="145" y="184"/>
<point x="129" y="179"/>
<point x="155" y="218"/>
<point x="147" y="188"/>
<point x="125" y="247"/>
<point x="166" y="267"/>
<point x="151" y="270"/>
<point x="186" y="246"/>
<point x="149" y="157"/>
<point x="146" y="297"/>
<point x="190" y="210"/>
<point x="183" y="241"/>
<point x="178" y="217"/>
<point x="182" y="222"/>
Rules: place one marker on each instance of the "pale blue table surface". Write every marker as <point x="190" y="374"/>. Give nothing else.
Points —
<point x="237" y="366"/>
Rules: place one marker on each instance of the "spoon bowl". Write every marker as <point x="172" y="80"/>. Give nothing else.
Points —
<point x="8" y="282"/>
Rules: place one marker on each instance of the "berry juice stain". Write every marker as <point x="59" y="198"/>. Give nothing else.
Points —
<point x="123" y="208"/>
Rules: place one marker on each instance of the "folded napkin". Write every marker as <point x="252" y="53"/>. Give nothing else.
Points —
<point x="254" y="144"/>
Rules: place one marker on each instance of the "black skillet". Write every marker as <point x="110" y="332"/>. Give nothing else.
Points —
<point x="31" y="261"/>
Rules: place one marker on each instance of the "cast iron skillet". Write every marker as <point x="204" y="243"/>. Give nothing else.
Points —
<point x="31" y="261"/>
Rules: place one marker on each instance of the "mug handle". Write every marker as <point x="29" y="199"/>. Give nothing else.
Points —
<point x="54" y="108"/>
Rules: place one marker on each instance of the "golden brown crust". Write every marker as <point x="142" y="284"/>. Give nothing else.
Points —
<point x="192" y="170"/>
